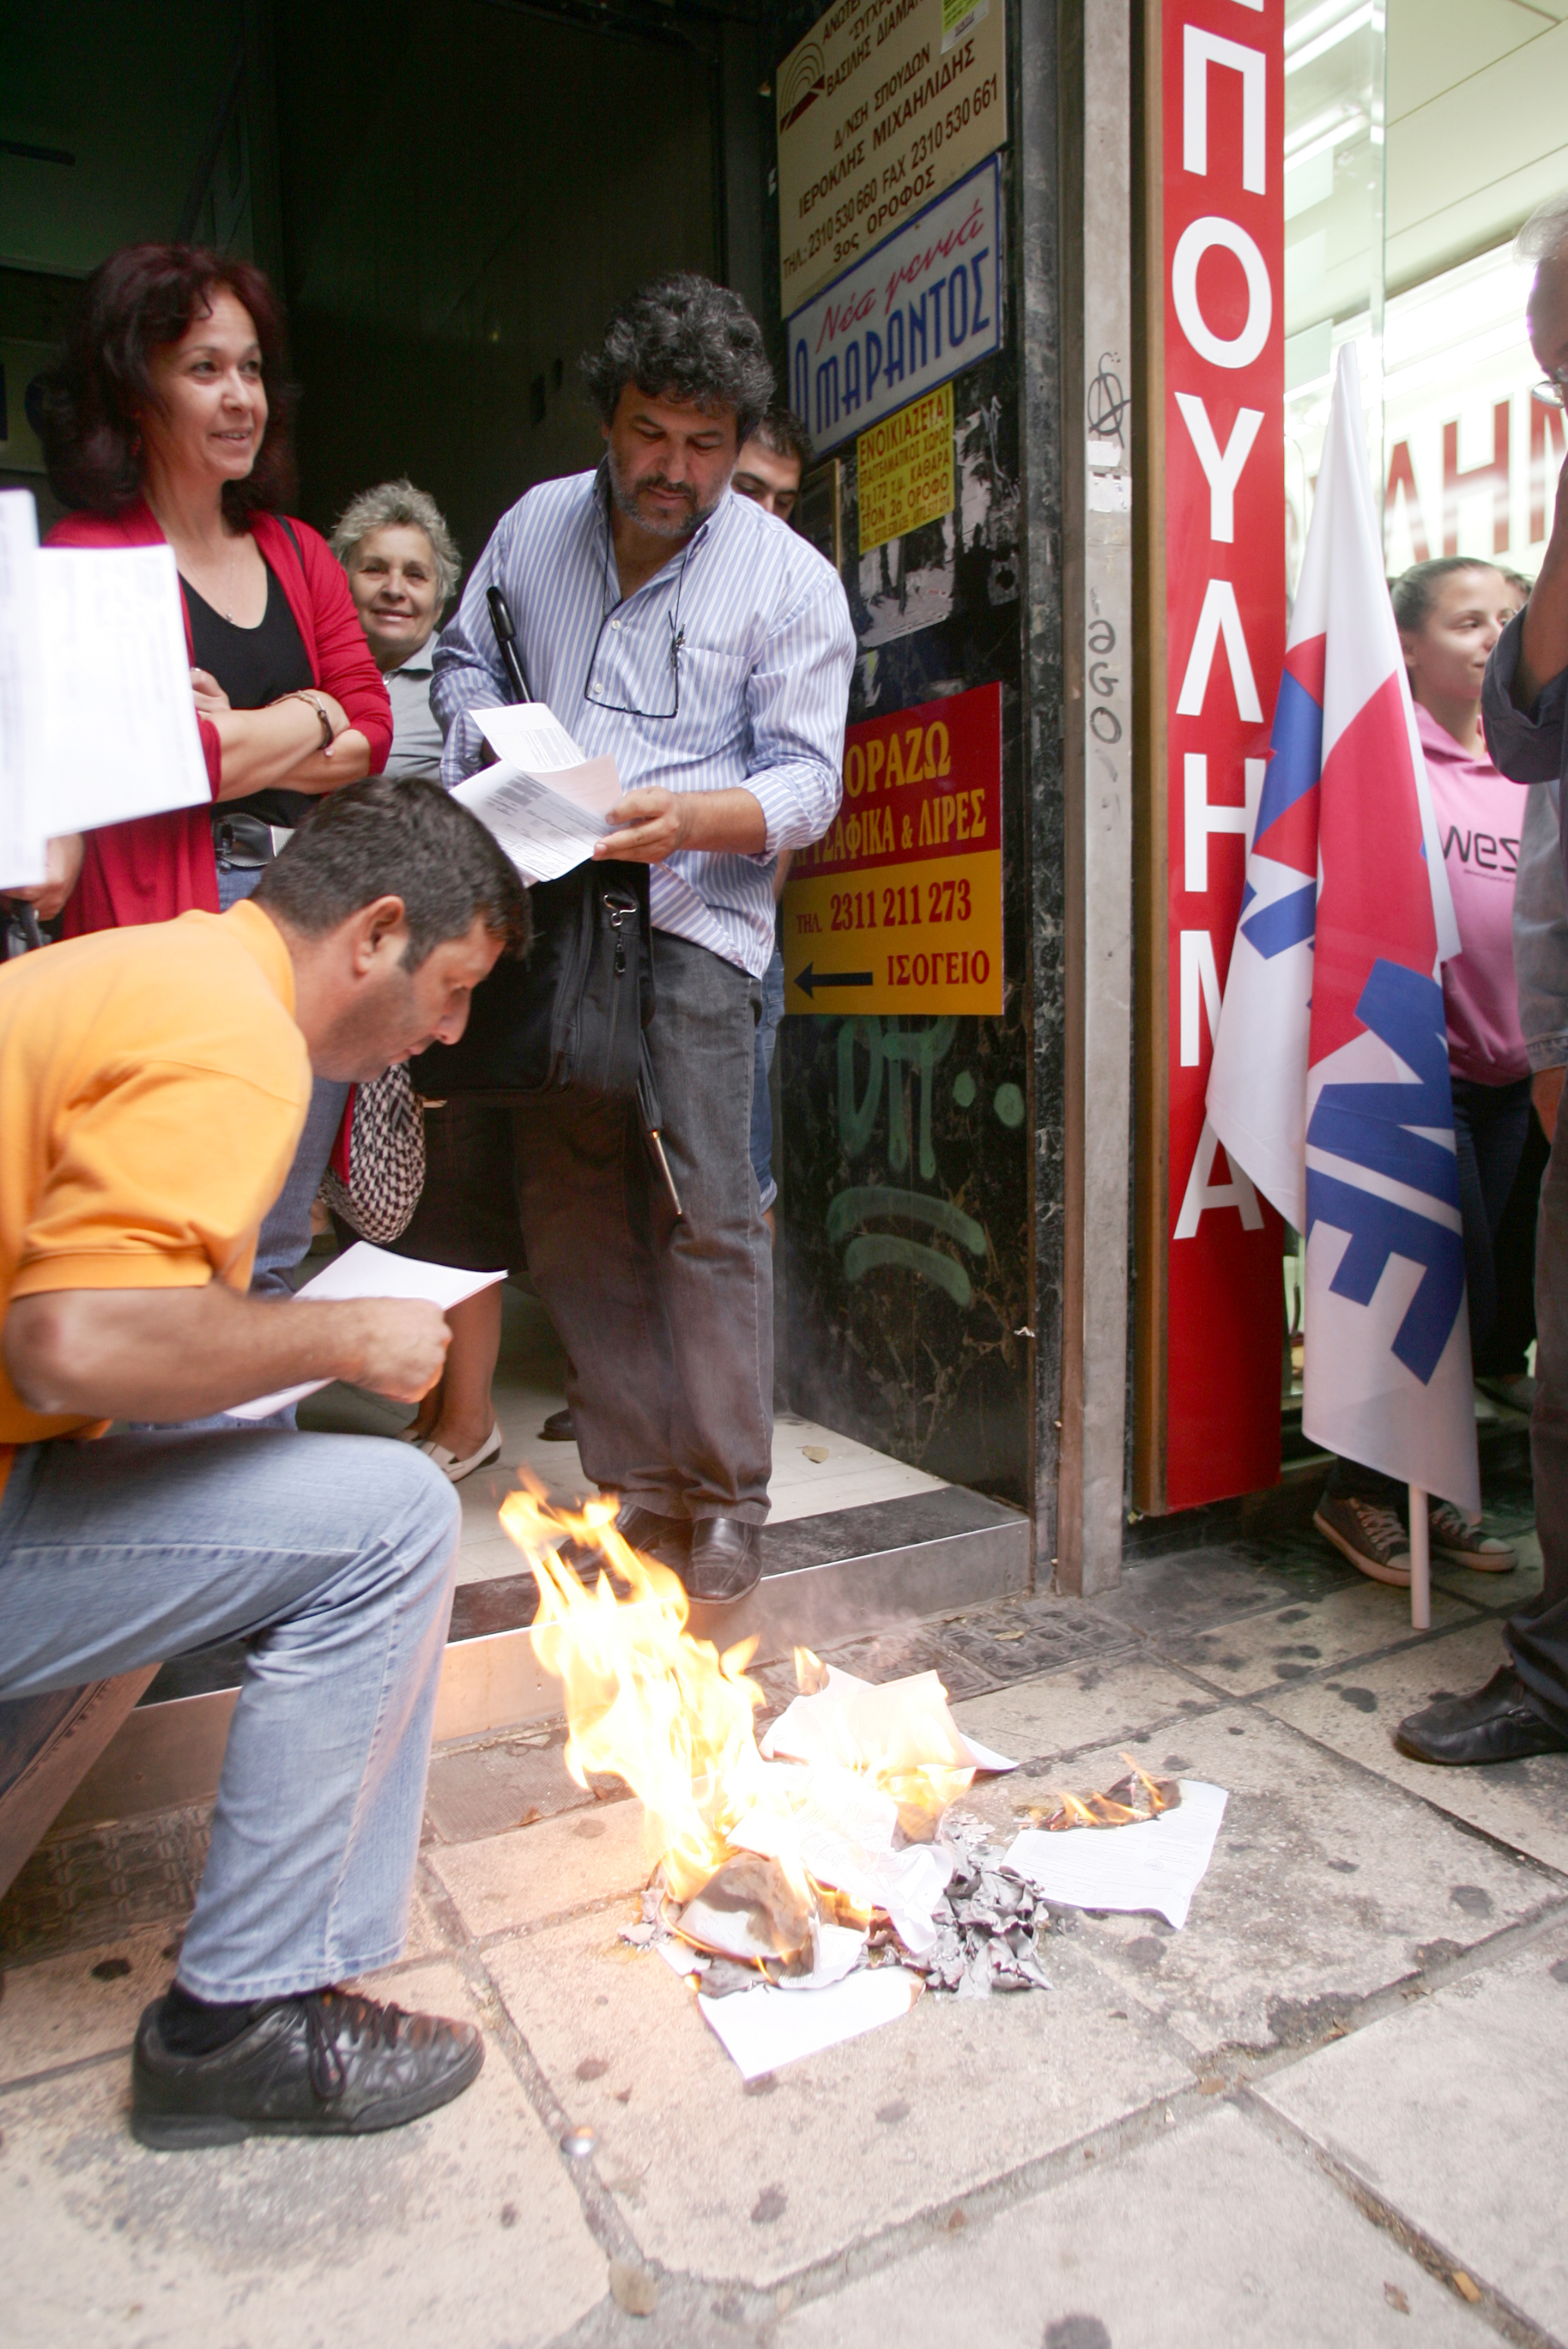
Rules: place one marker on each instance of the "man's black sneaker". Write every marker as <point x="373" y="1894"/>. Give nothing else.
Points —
<point x="725" y="1564"/>
<point x="1497" y="1724"/>
<point x="329" y="2064"/>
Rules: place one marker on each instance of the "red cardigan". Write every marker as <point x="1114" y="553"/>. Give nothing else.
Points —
<point x="160" y="866"/>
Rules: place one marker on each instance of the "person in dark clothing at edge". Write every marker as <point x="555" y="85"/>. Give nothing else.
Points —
<point x="1523" y="1708"/>
<point x="678" y="627"/>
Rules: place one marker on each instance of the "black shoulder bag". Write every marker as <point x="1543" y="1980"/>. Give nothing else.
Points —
<point x="573" y="1011"/>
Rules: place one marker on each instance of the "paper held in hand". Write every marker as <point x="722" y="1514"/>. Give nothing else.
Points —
<point x="366" y="1271"/>
<point x="97" y="723"/>
<point x="545" y="803"/>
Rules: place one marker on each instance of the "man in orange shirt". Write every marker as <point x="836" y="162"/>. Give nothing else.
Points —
<point x="153" y="1083"/>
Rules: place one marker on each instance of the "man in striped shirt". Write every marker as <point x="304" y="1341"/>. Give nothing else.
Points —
<point x="708" y="649"/>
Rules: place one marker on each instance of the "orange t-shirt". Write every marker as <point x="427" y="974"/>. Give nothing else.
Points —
<point x="153" y="1086"/>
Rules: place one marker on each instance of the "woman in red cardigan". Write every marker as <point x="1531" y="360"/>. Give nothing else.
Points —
<point x="168" y="421"/>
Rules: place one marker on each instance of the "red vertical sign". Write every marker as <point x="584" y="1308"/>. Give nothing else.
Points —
<point x="1223" y="261"/>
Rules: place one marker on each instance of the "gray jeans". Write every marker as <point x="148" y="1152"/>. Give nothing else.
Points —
<point x="1538" y="1637"/>
<point x="333" y="1558"/>
<point x="669" y="1326"/>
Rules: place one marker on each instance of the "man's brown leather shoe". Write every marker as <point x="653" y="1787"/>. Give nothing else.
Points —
<point x="329" y="2064"/>
<point x="726" y="1561"/>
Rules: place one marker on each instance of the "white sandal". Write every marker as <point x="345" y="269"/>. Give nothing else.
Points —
<point x="453" y="1469"/>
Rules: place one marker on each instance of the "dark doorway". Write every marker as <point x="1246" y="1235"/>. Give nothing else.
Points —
<point x="451" y="200"/>
<point x="465" y="192"/>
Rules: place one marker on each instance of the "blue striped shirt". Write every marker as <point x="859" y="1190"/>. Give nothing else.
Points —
<point x="765" y="651"/>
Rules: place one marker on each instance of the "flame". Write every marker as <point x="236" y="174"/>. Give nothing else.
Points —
<point x="645" y="1702"/>
<point x="673" y="1719"/>
<point x="1145" y="1798"/>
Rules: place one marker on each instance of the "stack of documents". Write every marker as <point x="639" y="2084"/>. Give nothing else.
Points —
<point x="546" y="827"/>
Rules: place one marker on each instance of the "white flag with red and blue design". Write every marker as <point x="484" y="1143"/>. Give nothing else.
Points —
<point x="1330" y="1078"/>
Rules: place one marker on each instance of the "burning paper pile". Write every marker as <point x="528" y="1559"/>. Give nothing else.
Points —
<point x="772" y="1865"/>
<point x="1137" y="1796"/>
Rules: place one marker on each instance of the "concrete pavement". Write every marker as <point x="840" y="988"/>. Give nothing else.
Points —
<point x="1328" y="2111"/>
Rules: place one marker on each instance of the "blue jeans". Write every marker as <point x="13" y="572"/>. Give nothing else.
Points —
<point x="761" y="1098"/>
<point x="333" y="1558"/>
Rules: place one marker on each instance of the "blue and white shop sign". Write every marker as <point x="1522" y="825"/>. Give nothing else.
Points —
<point x="904" y="319"/>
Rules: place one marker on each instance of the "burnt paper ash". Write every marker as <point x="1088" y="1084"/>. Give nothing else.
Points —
<point x="987" y="1927"/>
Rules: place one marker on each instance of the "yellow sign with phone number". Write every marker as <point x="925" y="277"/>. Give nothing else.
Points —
<point x="899" y="908"/>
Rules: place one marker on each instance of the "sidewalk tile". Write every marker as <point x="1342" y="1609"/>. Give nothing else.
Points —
<point x="751" y="2183"/>
<point x="1268" y="1652"/>
<point x="1084" y="1706"/>
<point x="1324" y="1886"/>
<point x="505" y="1881"/>
<point x="1208" y="2235"/>
<point x="84" y="2003"/>
<point x="1188" y="1591"/>
<point x="1452" y="2111"/>
<point x="1523" y="1804"/>
<point x="363" y="2243"/>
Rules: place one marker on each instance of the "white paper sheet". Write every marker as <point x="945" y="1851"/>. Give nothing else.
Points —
<point x="1157" y="1864"/>
<point x="119" y="736"/>
<point x="21" y="831"/>
<point x="764" y="2028"/>
<point x="528" y="734"/>
<point x="814" y="1728"/>
<point x="366" y="1271"/>
<point x="547" y="828"/>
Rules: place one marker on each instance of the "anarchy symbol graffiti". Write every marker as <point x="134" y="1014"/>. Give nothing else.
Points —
<point x="1107" y="403"/>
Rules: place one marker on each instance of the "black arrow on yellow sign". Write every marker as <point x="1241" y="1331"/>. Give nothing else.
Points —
<point x="808" y="980"/>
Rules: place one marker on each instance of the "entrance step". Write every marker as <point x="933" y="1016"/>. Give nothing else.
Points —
<point x="825" y="1579"/>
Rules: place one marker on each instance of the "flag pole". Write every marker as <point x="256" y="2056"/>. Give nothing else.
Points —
<point x="1420" y="1562"/>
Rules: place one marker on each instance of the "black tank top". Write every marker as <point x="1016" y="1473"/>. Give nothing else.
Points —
<point x="254" y="666"/>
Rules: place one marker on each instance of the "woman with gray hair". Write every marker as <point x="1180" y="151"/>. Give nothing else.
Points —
<point x="403" y="569"/>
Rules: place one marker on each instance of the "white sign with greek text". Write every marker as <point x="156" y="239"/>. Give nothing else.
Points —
<point x="924" y="305"/>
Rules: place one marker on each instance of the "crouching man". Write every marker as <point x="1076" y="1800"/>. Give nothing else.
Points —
<point x="154" y="1083"/>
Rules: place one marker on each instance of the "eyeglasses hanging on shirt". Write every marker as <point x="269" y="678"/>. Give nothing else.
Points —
<point x="611" y="618"/>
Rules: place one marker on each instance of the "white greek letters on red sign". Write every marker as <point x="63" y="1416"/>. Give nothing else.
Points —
<point x="1222" y="248"/>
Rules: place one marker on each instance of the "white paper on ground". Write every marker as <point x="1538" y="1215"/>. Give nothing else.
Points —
<point x="120" y="731"/>
<point x="544" y="827"/>
<point x="840" y="1950"/>
<point x="1157" y="1864"/>
<point x="765" y="2028"/>
<point x="366" y="1271"/>
<point x="22" y="828"/>
<point x="824" y="1728"/>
